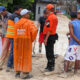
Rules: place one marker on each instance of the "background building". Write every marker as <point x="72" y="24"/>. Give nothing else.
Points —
<point x="61" y="6"/>
<point x="40" y="6"/>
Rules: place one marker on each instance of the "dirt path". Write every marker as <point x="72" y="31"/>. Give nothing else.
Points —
<point x="39" y="63"/>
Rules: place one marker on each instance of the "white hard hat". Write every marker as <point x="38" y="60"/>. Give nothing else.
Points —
<point x="24" y="11"/>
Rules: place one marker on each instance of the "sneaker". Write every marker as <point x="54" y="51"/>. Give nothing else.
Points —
<point x="26" y="76"/>
<point x="8" y="69"/>
<point x="17" y="74"/>
<point x="47" y="73"/>
<point x="51" y="69"/>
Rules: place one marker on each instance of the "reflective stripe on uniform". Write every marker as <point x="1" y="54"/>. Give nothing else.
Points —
<point x="12" y="33"/>
<point x="11" y="27"/>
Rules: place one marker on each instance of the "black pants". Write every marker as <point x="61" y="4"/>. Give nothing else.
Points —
<point x="50" y="52"/>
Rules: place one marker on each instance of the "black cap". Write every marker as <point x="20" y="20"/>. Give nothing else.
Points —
<point x="73" y="14"/>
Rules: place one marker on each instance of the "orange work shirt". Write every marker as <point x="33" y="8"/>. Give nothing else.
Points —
<point x="51" y="24"/>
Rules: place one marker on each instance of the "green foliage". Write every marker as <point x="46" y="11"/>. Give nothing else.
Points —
<point x="0" y="4"/>
<point x="25" y="3"/>
<point x="3" y="3"/>
<point x="67" y="15"/>
<point x="10" y="1"/>
<point x="31" y="16"/>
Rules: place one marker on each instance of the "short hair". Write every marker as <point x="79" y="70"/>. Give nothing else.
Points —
<point x="17" y="7"/>
<point x="44" y="12"/>
<point x="73" y="14"/>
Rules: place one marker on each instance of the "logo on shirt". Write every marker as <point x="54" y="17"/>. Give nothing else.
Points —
<point x="69" y="49"/>
<point x="21" y="31"/>
<point x="71" y="58"/>
<point x="75" y="49"/>
<point x="48" y="23"/>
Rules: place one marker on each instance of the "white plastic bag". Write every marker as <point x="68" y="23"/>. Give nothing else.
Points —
<point x="0" y="46"/>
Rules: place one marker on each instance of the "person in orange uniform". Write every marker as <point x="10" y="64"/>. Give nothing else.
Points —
<point x="50" y="36"/>
<point x="25" y="34"/>
<point x="10" y="34"/>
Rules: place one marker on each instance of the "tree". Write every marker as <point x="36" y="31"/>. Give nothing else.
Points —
<point x="24" y="3"/>
<point x="7" y="3"/>
<point x="78" y="1"/>
<point x="11" y="3"/>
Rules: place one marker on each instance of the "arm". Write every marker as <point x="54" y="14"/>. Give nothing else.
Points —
<point x="39" y="22"/>
<point x="1" y="20"/>
<point x="33" y="30"/>
<point x="72" y="33"/>
<point x="49" y="25"/>
<point x="4" y="23"/>
<point x="46" y="38"/>
<point x="0" y="23"/>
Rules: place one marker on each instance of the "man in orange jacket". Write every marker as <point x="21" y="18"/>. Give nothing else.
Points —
<point x="25" y="34"/>
<point x="50" y="36"/>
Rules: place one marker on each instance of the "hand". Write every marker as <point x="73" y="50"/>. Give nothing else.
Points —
<point x="45" y="42"/>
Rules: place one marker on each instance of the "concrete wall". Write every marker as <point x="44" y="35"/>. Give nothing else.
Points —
<point x="42" y="7"/>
